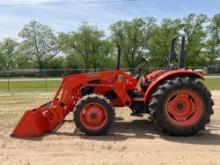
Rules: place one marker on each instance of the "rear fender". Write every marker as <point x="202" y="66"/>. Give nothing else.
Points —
<point x="167" y="75"/>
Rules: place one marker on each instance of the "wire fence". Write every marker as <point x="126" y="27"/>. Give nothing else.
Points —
<point x="48" y="79"/>
<point x="38" y="80"/>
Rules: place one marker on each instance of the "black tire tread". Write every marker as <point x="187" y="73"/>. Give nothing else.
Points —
<point x="102" y="100"/>
<point x="158" y="97"/>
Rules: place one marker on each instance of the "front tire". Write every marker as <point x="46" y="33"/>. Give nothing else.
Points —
<point x="94" y="115"/>
<point x="181" y="106"/>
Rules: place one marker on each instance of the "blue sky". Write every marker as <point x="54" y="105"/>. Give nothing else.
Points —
<point x="14" y="14"/>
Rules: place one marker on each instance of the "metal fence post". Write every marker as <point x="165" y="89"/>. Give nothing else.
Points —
<point x="45" y="72"/>
<point x="8" y="80"/>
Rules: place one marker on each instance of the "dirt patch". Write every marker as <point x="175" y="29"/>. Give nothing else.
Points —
<point x="131" y="140"/>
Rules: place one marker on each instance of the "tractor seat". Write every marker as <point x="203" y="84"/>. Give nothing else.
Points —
<point x="143" y="84"/>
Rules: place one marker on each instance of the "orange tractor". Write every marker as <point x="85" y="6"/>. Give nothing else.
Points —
<point x="175" y="97"/>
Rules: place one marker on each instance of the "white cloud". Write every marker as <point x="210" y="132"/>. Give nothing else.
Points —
<point x="61" y="17"/>
<point x="64" y="16"/>
<point x="18" y="2"/>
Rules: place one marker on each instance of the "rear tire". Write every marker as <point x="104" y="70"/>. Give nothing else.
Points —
<point x="94" y="115"/>
<point x="181" y="106"/>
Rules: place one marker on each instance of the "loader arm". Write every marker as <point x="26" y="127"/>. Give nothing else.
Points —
<point x="47" y="117"/>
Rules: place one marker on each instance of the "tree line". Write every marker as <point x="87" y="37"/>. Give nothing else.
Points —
<point x="140" y="42"/>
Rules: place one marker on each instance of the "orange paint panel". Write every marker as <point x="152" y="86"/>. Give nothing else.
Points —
<point x="32" y="124"/>
<point x="166" y="75"/>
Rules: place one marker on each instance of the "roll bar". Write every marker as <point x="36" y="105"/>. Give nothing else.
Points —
<point x="173" y="56"/>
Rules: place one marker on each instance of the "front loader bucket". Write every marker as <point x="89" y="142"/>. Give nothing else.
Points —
<point x="36" y="122"/>
<point x="31" y="124"/>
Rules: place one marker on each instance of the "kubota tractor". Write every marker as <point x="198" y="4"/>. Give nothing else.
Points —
<point x="175" y="97"/>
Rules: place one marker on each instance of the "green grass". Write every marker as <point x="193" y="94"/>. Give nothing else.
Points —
<point x="52" y="85"/>
<point x="30" y="85"/>
<point x="212" y="83"/>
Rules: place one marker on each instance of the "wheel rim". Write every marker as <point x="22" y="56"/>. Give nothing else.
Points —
<point x="184" y="108"/>
<point x="93" y="116"/>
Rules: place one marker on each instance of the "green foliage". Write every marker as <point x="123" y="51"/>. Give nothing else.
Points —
<point x="212" y="51"/>
<point x="194" y="27"/>
<point x="8" y="53"/>
<point x="214" y="28"/>
<point x="39" y="43"/>
<point x="56" y="63"/>
<point x="140" y="42"/>
<point x="88" y="45"/>
<point x="212" y="47"/>
<point x="131" y="39"/>
<point x="159" y="43"/>
<point x="23" y="62"/>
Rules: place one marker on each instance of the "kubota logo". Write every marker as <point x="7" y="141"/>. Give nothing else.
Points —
<point x="93" y="75"/>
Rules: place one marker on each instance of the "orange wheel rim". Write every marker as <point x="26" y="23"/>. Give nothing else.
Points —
<point x="184" y="108"/>
<point x="93" y="116"/>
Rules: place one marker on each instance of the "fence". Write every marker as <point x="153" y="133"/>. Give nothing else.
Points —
<point x="42" y="80"/>
<point x="38" y="80"/>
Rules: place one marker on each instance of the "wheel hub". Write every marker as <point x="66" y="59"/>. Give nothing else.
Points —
<point x="179" y="106"/>
<point x="184" y="107"/>
<point x="93" y="116"/>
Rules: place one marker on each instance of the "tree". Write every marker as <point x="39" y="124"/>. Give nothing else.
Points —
<point x="194" y="27"/>
<point x="22" y="62"/>
<point x="211" y="51"/>
<point x="89" y="45"/>
<point x="56" y="63"/>
<point x="212" y="47"/>
<point x="131" y="39"/>
<point x="159" y="44"/>
<point x="8" y="53"/>
<point x="102" y="57"/>
<point x="214" y="28"/>
<point x="39" y="43"/>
